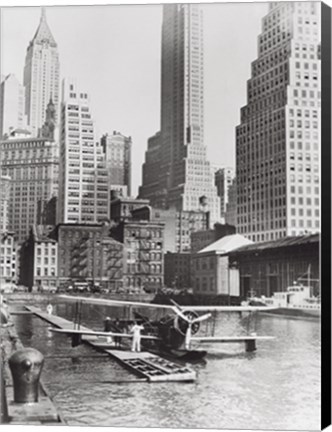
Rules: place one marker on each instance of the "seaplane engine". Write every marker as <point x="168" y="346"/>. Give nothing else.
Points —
<point x="181" y="325"/>
<point x="173" y="330"/>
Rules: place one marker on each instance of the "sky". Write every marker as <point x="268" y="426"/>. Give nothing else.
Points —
<point x="114" y="53"/>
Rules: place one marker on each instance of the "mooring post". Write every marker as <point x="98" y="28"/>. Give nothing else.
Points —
<point x="76" y="340"/>
<point x="251" y="344"/>
<point x="26" y="365"/>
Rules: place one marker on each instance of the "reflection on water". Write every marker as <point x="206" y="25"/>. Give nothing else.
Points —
<point x="277" y="387"/>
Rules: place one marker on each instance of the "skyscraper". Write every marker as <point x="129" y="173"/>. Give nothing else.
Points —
<point x="12" y="105"/>
<point x="223" y="179"/>
<point x="83" y="178"/>
<point x="32" y="165"/>
<point x="117" y="150"/>
<point x="184" y="175"/>
<point x="277" y="142"/>
<point x="41" y="75"/>
<point x="231" y="206"/>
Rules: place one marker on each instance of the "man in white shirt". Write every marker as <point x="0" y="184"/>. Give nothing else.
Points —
<point x="136" y="330"/>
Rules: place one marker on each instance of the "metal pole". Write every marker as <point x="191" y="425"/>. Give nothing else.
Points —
<point x="229" y="285"/>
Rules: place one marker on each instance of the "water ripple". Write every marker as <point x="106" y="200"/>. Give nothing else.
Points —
<point x="277" y="387"/>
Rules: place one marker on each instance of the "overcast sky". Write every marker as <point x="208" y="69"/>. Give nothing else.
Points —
<point x="114" y="52"/>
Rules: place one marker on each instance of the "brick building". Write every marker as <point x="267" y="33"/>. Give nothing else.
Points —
<point x="179" y="225"/>
<point x="178" y="270"/>
<point x="143" y="253"/>
<point x="87" y="254"/>
<point x="39" y="260"/>
<point x="122" y="207"/>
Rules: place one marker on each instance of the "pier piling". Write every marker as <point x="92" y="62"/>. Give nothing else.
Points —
<point x="250" y="345"/>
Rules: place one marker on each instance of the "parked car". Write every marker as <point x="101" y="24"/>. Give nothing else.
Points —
<point x="21" y="288"/>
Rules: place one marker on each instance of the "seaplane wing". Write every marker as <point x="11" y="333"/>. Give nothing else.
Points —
<point x="213" y="339"/>
<point x="106" y="302"/>
<point x="70" y="332"/>
<point x="226" y="308"/>
<point x="174" y="307"/>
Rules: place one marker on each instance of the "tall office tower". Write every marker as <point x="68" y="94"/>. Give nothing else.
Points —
<point x="41" y="76"/>
<point x="184" y="175"/>
<point x="32" y="164"/>
<point x="11" y="106"/>
<point x="278" y="140"/>
<point x="5" y="185"/>
<point x="223" y="179"/>
<point x="151" y="170"/>
<point x="231" y="206"/>
<point x="117" y="150"/>
<point x="83" y="178"/>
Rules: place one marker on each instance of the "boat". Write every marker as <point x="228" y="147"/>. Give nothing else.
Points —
<point x="296" y="301"/>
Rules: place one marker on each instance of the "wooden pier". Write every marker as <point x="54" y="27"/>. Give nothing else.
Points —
<point x="144" y="364"/>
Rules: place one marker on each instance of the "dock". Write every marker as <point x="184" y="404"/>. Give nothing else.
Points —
<point x="148" y="366"/>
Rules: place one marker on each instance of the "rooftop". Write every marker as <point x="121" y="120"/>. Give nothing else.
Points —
<point x="227" y="244"/>
<point x="42" y="232"/>
<point x="280" y="243"/>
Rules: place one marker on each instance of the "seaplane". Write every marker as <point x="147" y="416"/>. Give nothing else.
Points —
<point x="174" y="331"/>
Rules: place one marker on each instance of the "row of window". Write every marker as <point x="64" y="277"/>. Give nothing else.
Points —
<point x="39" y="271"/>
<point x="47" y="248"/>
<point x="144" y="268"/>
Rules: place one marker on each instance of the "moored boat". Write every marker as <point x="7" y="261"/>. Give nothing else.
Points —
<point x="296" y="301"/>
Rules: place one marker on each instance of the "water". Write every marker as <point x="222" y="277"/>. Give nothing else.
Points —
<point x="277" y="387"/>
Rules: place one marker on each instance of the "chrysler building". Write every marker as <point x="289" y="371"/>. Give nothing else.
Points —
<point x="41" y="76"/>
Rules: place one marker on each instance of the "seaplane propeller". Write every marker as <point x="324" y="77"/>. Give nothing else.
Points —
<point x="192" y="321"/>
